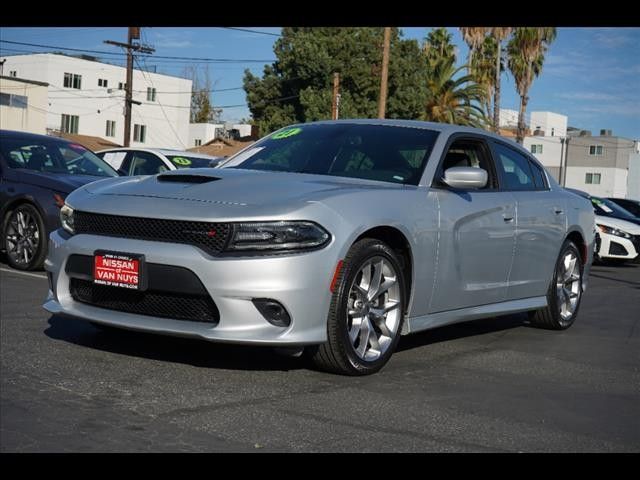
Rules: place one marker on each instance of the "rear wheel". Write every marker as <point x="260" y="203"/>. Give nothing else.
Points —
<point x="24" y="238"/>
<point x="565" y="291"/>
<point x="366" y="313"/>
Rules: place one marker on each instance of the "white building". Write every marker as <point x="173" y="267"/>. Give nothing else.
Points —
<point x="87" y="97"/>
<point x="549" y="150"/>
<point x="551" y="124"/>
<point x="633" y="178"/>
<point x="201" y="133"/>
<point x="19" y="100"/>
<point x="508" y="118"/>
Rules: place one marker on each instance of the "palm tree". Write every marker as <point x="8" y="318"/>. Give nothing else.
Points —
<point x="526" y="51"/>
<point x="473" y="36"/>
<point x="499" y="34"/>
<point x="483" y="69"/>
<point x="454" y="100"/>
<point x="438" y="47"/>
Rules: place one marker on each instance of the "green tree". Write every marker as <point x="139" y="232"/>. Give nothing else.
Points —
<point x="297" y="87"/>
<point x="202" y="110"/>
<point x="438" y="47"/>
<point x="473" y="37"/>
<point x="483" y="70"/>
<point x="526" y="51"/>
<point x="454" y="100"/>
<point x="499" y="34"/>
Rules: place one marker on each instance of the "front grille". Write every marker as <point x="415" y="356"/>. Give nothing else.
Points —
<point x="195" y="308"/>
<point x="211" y="237"/>
<point x="616" y="249"/>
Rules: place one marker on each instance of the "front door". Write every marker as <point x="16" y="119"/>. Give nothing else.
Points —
<point x="476" y="234"/>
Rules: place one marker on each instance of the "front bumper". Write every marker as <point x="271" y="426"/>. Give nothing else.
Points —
<point x="613" y="246"/>
<point x="300" y="282"/>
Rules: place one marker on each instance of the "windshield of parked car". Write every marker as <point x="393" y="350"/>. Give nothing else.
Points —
<point x="183" y="161"/>
<point x="374" y="152"/>
<point x="603" y="206"/>
<point x="52" y="156"/>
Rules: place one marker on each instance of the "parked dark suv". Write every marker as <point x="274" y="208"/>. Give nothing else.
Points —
<point x="37" y="172"/>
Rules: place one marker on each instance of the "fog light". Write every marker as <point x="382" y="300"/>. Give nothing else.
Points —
<point x="272" y="311"/>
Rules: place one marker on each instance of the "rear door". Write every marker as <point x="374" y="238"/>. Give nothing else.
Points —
<point x="540" y="222"/>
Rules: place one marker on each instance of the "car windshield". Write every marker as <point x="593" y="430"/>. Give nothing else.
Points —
<point x="184" y="161"/>
<point x="52" y="156"/>
<point x="606" y="207"/>
<point x="374" y="152"/>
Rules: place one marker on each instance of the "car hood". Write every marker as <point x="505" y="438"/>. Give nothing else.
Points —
<point x="62" y="182"/>
<point x="231" y="186"/>
<point x="623" y="225"/>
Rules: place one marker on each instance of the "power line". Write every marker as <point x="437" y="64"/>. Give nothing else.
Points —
<point x="251" y="31"/>
<point x="120" y="54"/>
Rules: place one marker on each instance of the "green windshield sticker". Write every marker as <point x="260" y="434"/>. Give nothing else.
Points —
<point x="181" y="161"/>
<point x="290" y="132"/>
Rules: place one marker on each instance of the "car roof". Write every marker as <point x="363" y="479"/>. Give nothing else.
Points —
<point x="33" y="136"/>
<point x="162" y="151"/>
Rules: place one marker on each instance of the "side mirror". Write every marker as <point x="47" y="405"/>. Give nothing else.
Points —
<point x="465" y="177"/>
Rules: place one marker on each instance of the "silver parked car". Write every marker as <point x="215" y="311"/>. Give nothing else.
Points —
<point x="335" y="236"/>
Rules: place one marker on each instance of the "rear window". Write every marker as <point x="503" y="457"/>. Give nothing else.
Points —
<point x="53" y="157"/>
<point x="374" y="152"/>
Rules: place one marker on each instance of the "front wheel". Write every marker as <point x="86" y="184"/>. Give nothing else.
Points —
<point x="24" y="238"/>
<point x="565" y="291"/>
<point x="366" y="313"/>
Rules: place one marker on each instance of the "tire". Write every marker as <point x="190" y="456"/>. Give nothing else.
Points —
<point x="18" y="241"/>
<point x="374" y="333"/>
<point x="558" y="314"/>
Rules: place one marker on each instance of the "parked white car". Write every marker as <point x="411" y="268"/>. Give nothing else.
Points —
<point x="151" y="161"/>
<point x="619" y="239"/>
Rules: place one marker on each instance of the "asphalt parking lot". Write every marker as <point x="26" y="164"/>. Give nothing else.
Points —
<point x="488" y="386"/>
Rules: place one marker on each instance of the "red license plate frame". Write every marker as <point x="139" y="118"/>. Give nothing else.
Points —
<point x="119" y="269"/>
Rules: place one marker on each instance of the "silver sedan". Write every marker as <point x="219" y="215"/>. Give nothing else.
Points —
<point x="330" y="239"/>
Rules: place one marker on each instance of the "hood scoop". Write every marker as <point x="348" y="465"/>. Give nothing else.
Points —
<point x="186" y="178"/>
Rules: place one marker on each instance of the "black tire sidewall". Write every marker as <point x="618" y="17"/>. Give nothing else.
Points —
<point x="364" y="251"/>
<point x="38" y="258"/>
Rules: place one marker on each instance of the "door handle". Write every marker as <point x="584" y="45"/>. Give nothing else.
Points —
<point x="557" y="210"/>
<point x="507" y="218"/>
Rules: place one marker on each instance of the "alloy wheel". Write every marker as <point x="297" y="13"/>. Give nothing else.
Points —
<point x="22" y="237"/>
<point x="568" y="285"/>
<point x="374" y="309"/>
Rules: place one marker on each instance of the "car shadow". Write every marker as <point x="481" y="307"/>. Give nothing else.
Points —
<point x="198" y="353"/>
<point x="460" y="330"/>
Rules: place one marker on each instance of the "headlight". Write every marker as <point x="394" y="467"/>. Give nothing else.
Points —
<point x="613" y="231"/>
<point x="66" y="218"/>
<point x="277" y="236"/>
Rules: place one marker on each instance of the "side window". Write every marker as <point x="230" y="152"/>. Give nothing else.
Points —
<point x="514" y="168"/>
<point x="115" y="159"/>
<point x="470" y="153"/>
<point x="144" y="163"/>
<point x="538" y="176"/>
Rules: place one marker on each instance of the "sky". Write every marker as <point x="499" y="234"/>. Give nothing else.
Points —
<point x="591" y="75"/>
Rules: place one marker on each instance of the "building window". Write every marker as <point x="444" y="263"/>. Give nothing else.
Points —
<point x="102" y="82"/>
<point x="198" y="142"/>
<point x="553" y="131"/>
<point x="536" y="148"/>
<point x="12" y="100"/>
<point x="592" y="178"/>
<point x="71" y="80"/>
<point x="111" y="128"/>
<point x="69" y="123"/>
<point x="139" y="133"/>
<point x="595" y="149"/>
<point x="13" y="73"/>
<point x="122" y="86"/>
<point x="151" y="94"/>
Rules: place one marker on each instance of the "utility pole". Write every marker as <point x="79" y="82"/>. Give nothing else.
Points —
<point x="335" y="106"/>
<point x="382" y="105"/>
<point x="134" y="34"/>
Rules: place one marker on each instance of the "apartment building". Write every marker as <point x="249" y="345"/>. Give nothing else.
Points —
<point x="20" y="105"/>
<point x="86" y="97"/>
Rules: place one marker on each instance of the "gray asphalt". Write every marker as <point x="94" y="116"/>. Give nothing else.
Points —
<point x="487" y="386"/>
